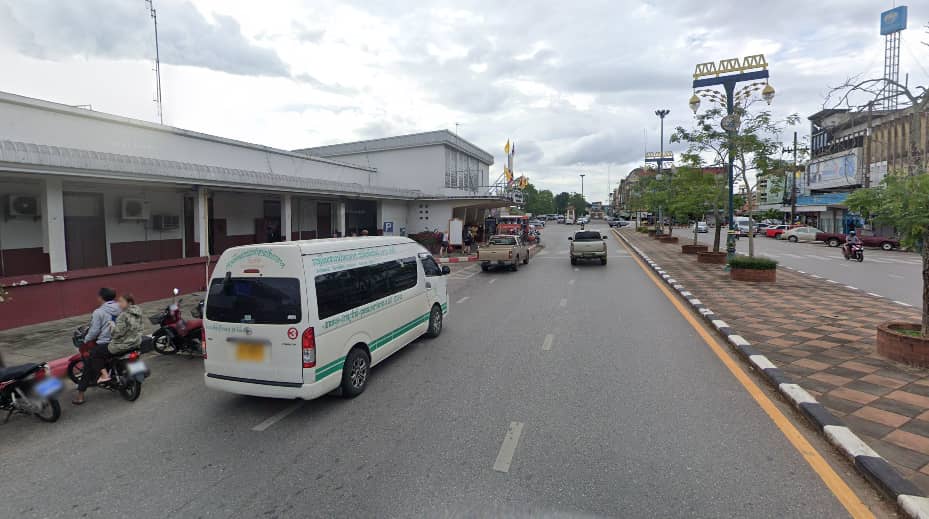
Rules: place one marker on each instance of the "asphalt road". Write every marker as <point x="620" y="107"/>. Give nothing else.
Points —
<point x="895" y="275"/>
<point x="554" y="390"/>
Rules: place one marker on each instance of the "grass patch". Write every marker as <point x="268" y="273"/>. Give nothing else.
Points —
<point x="909" y="333"/>
<point x="756" y="263"/>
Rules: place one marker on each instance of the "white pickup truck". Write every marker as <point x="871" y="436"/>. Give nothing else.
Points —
<point x="503" y="250"/>
<point x="588" y="245"/>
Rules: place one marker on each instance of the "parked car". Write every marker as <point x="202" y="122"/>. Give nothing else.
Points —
<point x="567" y="221"/>
<point x="834" y="239"/>
<point x="774" y="230"/>
<point x="503" y="250"/>
<point x="702" y="227"/>
<point x="537" y="222"/>
<point x="800" y="234"/>
<point x="583" y="220"/>
<point x="761" y="228"/>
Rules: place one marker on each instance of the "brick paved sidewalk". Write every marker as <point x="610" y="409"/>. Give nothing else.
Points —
<point x="52" y="340"/>
<point x="822" y="336"/>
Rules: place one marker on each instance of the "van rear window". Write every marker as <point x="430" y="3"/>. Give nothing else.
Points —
<point x="254" y="301"/>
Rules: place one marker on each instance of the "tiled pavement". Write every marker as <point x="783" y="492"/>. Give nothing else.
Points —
<point x="822" y="335"/>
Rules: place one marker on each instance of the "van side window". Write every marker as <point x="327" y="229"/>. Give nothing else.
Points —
<point x="430" y="267"/>
<point x="338" y="292"/>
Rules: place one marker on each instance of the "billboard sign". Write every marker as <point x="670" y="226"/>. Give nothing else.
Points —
<point x="833" y="172"/>
<point x="893" y="20"/>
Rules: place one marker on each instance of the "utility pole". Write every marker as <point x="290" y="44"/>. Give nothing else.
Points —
<point x="154" y="14"/>
<point x="582" y="184"/>
<point x="793" y="178"/>
<point x="661" y="115"/>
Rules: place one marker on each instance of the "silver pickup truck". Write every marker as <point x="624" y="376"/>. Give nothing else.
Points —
<point x="503" y="250"/>
<point x="588" y="245"/>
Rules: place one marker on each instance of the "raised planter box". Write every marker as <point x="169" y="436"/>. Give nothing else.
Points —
<point x="716" y="258"/>
<point x="693" y="249"/>
<point x="758" y="275"/>
<point x="668" y="239"/>
<point x="902" y="347"/>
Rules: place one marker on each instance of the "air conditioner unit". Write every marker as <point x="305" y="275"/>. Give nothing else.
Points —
<point x="134" y="209"/>
<point x="165" y="222"/>
<point x="22" y="205"/>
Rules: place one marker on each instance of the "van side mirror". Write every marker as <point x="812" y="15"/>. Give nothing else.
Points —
<point x="603" y="236"/>
<point x="445" y="270"/>
<point x="570" y="238"/>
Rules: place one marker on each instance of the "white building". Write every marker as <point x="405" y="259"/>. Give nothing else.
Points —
<point x="94" y="199"/>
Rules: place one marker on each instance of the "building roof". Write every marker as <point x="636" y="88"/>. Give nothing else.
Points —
<point x="33" y="158"/>
<point x="413" y="140"/>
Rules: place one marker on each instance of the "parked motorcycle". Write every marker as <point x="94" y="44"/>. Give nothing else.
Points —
<point x="175" y="334"/>
<point x="853" y="252"/>
<point x="127" y="371"/>
<point x="30" y="389"/>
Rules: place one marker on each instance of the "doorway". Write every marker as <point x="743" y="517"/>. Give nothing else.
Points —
<point x="85" y="231"/>
<point x="323" y="220"/>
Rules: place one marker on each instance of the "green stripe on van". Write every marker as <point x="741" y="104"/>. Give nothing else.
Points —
<point x="336" y="365"/>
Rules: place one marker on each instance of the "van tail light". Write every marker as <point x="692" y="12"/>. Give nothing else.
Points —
<point x="203" y="341"/>
<point x="309" y="348"/>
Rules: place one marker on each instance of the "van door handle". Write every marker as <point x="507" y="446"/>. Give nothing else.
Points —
<point x="428" y="284"/>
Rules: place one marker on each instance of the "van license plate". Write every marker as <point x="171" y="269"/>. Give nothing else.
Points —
<point x="249" y="352"/>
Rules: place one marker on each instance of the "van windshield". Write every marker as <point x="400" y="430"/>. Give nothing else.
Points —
<point x="254" y="301"/>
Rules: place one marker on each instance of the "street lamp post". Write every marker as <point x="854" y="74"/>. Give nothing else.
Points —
<point x="582" y="184"/>
<point x="661" y="115"/>
<point x="728" y="73"/>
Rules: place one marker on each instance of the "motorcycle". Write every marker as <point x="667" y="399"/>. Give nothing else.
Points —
<point x="127" y="371"/>
<point x="30" y="389"/>
<point x="175" y="334"/>
<point x="853" y="252"/>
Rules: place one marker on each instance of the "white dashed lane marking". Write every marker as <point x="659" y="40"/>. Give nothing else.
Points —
<point x="280" y="415"/>
<point x="571" y="282"/>
<point x="547" y="343"/>
<point x="508" y="448"/>
<point x="462" y="300"/>
<point x="492" y="281"/>
<point x="563" y="303"/>
<point x="901" y="303"/>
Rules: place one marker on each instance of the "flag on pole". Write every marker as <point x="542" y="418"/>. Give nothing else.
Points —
<point x="506" y="148"/>
<point x="508" y="174"/>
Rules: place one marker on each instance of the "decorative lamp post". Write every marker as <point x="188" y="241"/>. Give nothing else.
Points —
<point x="661" y="115"/>
<point x="728" y="73"/>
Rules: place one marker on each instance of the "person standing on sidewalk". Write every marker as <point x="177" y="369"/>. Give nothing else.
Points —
<point x="100" y="334"/>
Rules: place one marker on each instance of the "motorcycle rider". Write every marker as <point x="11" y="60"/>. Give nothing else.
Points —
<point x="100" y="334"/>
<point x="851" y="239"/>
<point x="126" y="331"/>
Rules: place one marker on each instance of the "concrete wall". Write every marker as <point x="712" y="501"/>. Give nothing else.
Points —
<point x="20" y="232"/>
<point x="412" y="168"/>
<point x="40" y="122"/>
<point x="394" y="211"/>
<point x="428" y="215"/>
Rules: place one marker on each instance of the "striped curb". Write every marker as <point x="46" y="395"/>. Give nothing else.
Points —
<point x="868" y="462"/>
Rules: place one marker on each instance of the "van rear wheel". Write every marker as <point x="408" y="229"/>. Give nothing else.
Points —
<point x="355" y="373"/>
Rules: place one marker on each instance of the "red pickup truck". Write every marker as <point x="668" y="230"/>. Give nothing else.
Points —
<point x="834" y="239"/>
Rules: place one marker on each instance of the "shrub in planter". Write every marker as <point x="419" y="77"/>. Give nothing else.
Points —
<point x="716" y="258"/>
<point x="693" y="249"/>
<point x="902" y="342"/>
<point x="429" y="240"/>
<point x="746" y="268"/>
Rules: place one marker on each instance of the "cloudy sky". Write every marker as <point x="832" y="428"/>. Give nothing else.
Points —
<point x="575" y="84"/>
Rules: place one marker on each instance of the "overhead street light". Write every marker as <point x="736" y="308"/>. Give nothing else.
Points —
<point x="727" y="73"/>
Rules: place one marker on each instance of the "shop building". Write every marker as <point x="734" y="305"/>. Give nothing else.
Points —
<point x="89" y="199"/>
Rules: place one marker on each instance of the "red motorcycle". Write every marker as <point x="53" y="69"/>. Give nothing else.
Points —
<point x="176" y="334"/>
<point x="127" y="371"/>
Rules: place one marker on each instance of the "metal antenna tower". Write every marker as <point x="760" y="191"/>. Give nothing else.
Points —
<point x="154" y="14"/>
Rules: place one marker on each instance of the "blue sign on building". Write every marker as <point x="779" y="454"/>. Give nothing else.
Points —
<point x="388" y="227"/>
<point x="893" y="20"/>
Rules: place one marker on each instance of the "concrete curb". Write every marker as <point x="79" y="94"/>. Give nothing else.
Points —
<point x="874" y="468"/>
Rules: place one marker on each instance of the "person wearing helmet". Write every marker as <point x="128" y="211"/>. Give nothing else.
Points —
<point x="850" y="239"/>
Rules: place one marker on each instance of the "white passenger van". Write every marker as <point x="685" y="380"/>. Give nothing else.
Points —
<point x="300" y="319"/>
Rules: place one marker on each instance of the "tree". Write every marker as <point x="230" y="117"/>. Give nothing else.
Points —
<point x="562" y="201"/>
<point x="771" y="214"/>
<point x="695" y="191"/>
<point x="538" y="202"/>
<point x="579" y="203"/>
<point x="901" y="201"/>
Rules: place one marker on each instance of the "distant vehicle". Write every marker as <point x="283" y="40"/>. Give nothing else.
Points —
<point x="774" y="230"/>
<point x="503" y="250"/>
<point x="702" y="227"/>
<point x="834" y="239"/>
<point x="537" y="222"/>
<point x="617" y="222"/>
<point x="761" y="228"/>
<point x="560" y="218"/>
<point x="583" y="220"/>
<point x="588" y="245"/>
<point x="800" y="234"/>
<point x="567" y="221"/>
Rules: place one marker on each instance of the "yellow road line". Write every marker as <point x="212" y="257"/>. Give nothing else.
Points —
<point x="836" y="484"/>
